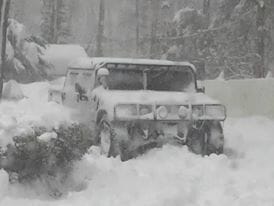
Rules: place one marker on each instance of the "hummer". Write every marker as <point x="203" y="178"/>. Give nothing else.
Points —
<point x="137" y="104"/>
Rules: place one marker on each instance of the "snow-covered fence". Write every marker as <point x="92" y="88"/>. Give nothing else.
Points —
<point x="244" y="97"/>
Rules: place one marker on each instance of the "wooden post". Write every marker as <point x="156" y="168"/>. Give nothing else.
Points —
<point x="4" y="43"/>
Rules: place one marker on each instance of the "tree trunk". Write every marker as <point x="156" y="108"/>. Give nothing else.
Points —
<point x="55" y="21"/>
<point x="4" y="43"/>
<point x="137" y="13"/>
<point x="100" y="31"/>
<point x="260" y="71"/>
<point x="154" y="24"/>
<point x="206" y="10"/>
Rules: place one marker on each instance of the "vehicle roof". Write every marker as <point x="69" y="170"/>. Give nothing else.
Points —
<point x="89" y="63"/>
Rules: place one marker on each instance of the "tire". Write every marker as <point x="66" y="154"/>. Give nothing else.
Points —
<point x="108" y="143"/>
<point x="215" y="141"/>
<point x="207" y="139"/>
<point x="195" y="140"/>
<point x="105" y="137"/>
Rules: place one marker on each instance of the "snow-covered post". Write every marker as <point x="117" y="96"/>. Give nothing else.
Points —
<point x="4" y="43"/>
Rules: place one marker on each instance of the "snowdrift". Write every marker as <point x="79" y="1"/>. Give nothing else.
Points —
<point x="173" y="176"/>
<point x="19" y="117"/>
<point x="168" y="176"/>
<point x="244" y="97"/>
<point x="12" y="91"/>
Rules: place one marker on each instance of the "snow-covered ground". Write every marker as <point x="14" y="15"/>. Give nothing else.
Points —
<point x="169" y="176"/>
<point x="17" y="117"/>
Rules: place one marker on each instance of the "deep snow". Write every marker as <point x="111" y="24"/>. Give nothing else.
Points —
<point x="169" y="176"/>
<point x="17" y="117"/>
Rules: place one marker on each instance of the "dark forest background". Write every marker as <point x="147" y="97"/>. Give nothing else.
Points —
<point x="231" y="38"/>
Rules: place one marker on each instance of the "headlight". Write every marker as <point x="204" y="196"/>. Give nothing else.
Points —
<point x="215" y="112"/>
<point x="183" y="112"/>
<point x="126" y="111"/>
<point x="162" y="112"/>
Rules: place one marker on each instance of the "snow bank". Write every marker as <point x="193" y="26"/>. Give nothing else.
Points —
<point x="244" y="97"/>
<point x="59" y="56"/>
<point x="20" y="117"/>
<point x="12" y="91"/>
<point x="4" y="182"/>
<point x="173" y="176"/>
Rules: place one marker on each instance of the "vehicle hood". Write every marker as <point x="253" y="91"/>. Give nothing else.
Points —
<point x="114" y="97"/>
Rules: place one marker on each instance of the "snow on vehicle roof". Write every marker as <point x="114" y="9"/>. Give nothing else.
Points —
<point x="93" y="62"/>
<point x="59" y="56"/>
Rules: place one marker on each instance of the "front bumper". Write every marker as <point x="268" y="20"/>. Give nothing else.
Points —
<point x="143" y="131"/>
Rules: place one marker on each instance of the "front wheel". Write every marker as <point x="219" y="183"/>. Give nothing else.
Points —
<point x="105" y="137"/>
<point x="108" y="142"/>
<point x="206" y="138"/>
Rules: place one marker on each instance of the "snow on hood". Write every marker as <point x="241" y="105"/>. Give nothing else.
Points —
<point x="114" y="97"/>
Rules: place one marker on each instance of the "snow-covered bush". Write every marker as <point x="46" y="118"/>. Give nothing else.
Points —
<point x="43" y="153"/>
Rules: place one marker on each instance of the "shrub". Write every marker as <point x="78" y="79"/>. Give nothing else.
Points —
<point x="31" y="157"/>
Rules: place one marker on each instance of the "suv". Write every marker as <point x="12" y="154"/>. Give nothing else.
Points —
<point x="137" y="104"/>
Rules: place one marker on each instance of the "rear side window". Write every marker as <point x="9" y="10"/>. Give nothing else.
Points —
<point x="72" y="78"/>
<point x="84" y="79"/>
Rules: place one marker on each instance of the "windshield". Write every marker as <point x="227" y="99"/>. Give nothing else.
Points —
<point x="157" y="78"/>
<point x="119" y="79"/>
<point x="170" y="80"/>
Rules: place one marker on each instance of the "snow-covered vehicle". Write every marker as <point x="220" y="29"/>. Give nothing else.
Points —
<point x="137" y="104"/>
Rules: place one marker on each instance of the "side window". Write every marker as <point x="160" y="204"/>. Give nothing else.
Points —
<point x="71" y="79"/>
<point x="85" y="80"/>
<point x="82" y="79"/>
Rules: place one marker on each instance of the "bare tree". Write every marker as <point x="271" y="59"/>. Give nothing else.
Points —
<point x="4" y="41"/>
<point x="100" y="31"/>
